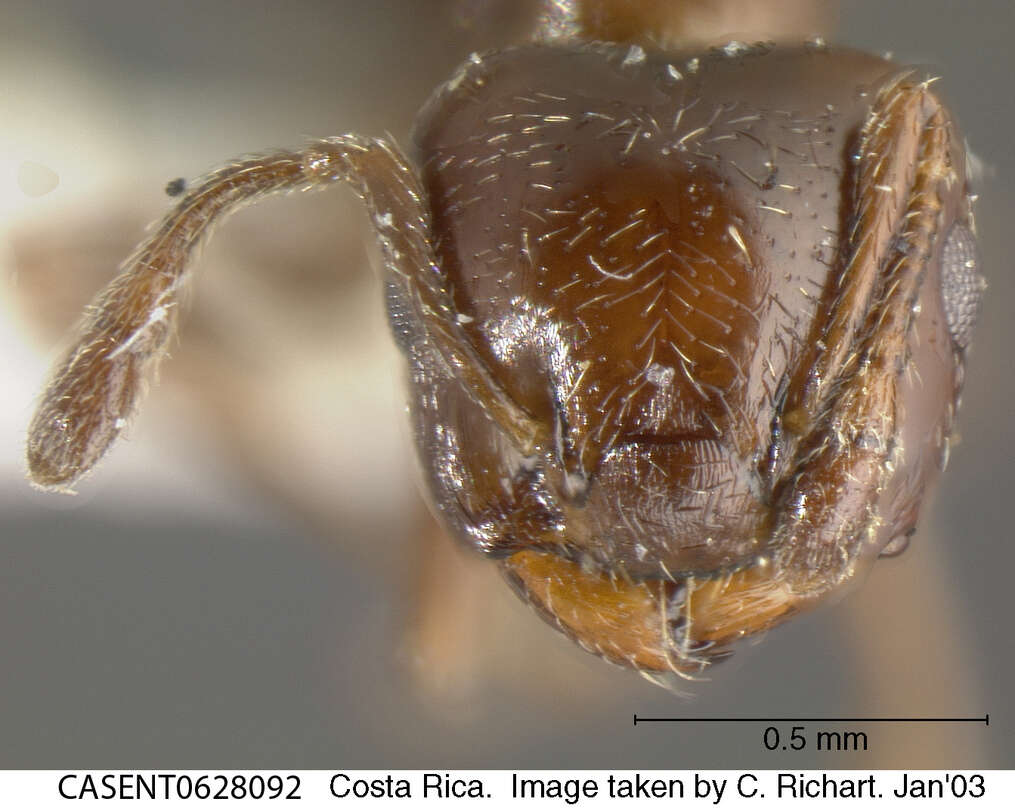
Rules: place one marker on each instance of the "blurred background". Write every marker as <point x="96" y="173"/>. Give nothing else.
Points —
<point x="250" y="580"/>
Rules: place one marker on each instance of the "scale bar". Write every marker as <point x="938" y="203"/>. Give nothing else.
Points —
<point x="985" y="720"/>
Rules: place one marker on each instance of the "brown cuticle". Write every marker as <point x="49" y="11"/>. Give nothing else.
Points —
<point x="661" y="311"/>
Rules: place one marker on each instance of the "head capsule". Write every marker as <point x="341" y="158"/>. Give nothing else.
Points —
<point x="679" y="269"/>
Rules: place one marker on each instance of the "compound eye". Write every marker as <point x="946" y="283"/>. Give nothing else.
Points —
<point x="962" y="284"/>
